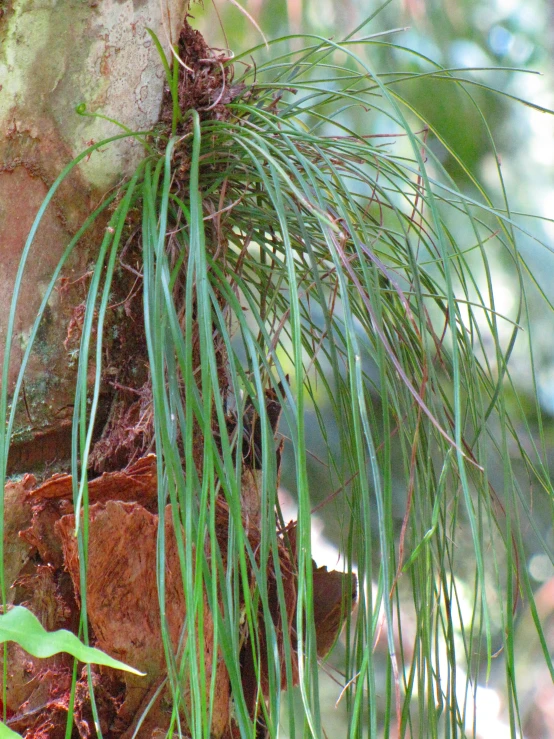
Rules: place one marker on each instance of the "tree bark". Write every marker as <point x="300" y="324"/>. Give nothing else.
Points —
<point x="53" y="58"/>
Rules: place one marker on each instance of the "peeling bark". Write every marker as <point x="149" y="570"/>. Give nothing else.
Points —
<point x="123" y="605"/>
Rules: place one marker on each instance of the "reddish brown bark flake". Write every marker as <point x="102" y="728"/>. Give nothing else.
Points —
<point x="135" y="483"/>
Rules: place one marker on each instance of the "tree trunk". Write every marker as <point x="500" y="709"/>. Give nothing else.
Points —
<point x="53" y="59"/>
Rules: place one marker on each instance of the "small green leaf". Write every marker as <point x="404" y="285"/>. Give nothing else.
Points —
<point x="23" y="627"/>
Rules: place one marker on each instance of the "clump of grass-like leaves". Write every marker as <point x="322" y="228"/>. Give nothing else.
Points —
<point x="284" y="250"/>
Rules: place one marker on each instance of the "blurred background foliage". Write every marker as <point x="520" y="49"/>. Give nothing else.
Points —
<point x="517" y="38"/>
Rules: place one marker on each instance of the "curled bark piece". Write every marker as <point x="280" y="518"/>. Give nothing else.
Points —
<point x="136" y="483"/>
<point x="334" y="596"/>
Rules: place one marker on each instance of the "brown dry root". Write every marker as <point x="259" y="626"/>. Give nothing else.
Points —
<point x="123" y="608"/>
<point x="206" y="81"/>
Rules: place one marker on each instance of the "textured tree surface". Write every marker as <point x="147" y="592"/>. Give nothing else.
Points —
<point x="53" y="58"/>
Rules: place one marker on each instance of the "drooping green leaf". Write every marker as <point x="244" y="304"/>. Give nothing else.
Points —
<point x="22" y="626"/>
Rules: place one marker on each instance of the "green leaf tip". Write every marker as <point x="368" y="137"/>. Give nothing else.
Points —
<point x="7" y="733"/>
<point x="23" y="627"/>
